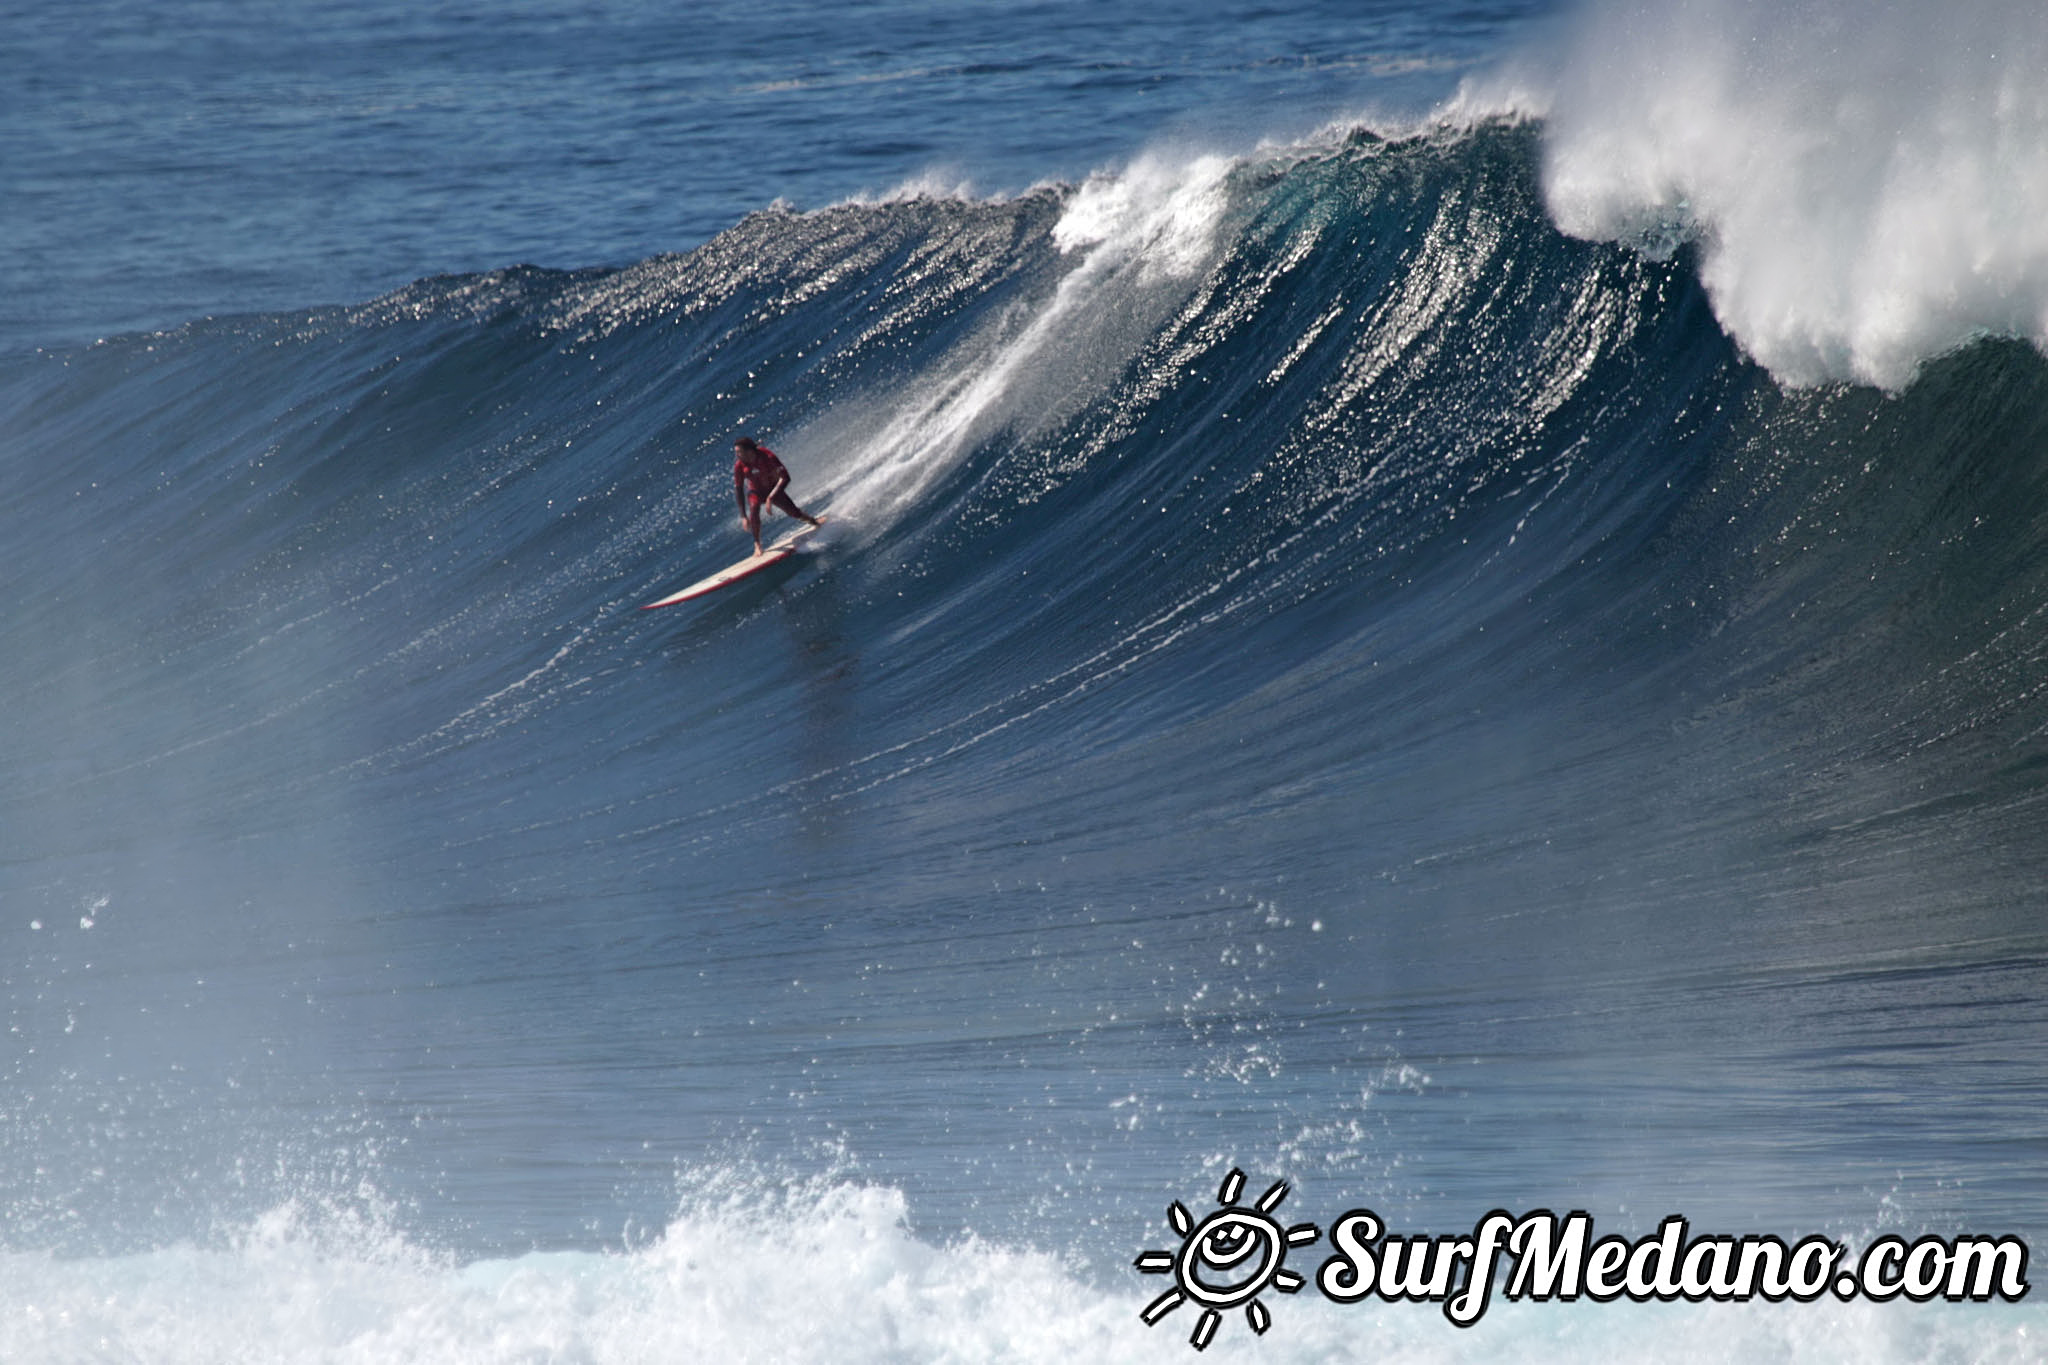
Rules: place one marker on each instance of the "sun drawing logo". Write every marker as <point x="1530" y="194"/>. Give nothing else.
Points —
<point x="1249" y="1245"/>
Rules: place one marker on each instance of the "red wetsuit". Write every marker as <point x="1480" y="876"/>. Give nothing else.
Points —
<point x="752" y="484"/>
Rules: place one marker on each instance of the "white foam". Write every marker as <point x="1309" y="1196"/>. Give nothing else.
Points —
<point x="1141" y="236"/>
<point x="1868" y="185"/>
<point x="1162" y="211"/>
<point x="822" y="1272"/>
<point x="825" y="1271"/>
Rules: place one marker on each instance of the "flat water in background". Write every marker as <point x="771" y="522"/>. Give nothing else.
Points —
<point x="172" y="160"/>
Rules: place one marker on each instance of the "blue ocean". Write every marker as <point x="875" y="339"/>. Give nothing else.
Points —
<point x="1443" y="605"/>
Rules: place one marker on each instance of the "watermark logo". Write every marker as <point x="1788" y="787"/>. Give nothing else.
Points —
<point x="1227" y="1259"/>
<point x="1235" y="1254"/>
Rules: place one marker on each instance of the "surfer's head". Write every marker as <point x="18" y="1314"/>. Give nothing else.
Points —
<point x="746" y="444"/>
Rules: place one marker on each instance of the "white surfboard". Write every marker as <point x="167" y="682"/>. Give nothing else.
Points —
<point x="752" y="564"/>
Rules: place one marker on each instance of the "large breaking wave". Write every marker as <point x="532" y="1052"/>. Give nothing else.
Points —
<point x="1323" y="518"/>
<point x="1359" y="400"/>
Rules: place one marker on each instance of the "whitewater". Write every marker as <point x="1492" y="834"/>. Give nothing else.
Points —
<point x="1441" y="607"/>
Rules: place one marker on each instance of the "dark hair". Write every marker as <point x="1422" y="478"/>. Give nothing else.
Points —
<point x="746" y="443"/>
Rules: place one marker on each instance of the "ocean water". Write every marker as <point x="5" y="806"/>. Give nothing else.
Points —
<point x="1443" y="604"/>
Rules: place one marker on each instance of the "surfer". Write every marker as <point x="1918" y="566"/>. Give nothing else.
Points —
<point x="759" y="480"/>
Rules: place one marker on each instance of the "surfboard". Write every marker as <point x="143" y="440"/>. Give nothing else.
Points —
<point x="746" y="568"/>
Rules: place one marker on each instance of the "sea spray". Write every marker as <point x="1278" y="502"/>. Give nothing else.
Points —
<point x="1867" y="187"/>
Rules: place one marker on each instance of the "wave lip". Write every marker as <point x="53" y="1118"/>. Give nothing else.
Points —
<point x="1867" y="190"/>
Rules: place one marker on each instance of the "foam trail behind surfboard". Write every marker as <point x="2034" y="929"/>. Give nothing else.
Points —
<point x="1141" y="237"/>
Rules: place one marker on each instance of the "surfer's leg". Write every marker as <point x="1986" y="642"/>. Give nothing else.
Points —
<point x="791" y="509"/>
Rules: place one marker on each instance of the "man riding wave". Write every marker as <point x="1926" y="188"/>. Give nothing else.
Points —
<point x="758" y="480"/>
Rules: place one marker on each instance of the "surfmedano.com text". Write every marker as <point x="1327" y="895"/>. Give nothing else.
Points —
<point x="1541" y="1257"/>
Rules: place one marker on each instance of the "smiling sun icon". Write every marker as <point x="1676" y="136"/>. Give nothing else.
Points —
<point x="1246" y="1249"/>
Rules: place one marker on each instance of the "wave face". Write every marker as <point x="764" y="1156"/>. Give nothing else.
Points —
<point x="1317" y="670"/>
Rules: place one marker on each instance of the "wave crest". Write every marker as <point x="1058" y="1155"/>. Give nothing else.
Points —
<point x="1867" y="189"/>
